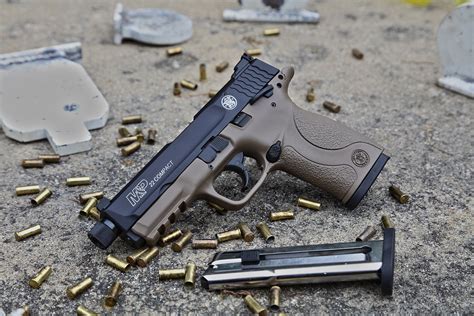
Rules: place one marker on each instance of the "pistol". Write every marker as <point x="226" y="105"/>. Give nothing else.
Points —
<point x="354" y="261"/>
<point x="251" y="116"/>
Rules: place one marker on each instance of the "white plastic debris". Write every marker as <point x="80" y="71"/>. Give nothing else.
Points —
<point x="456" y="50"/>
<point x="45" y="93"/>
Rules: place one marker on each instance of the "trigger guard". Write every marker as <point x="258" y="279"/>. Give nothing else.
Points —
<point x="236" y="164"/>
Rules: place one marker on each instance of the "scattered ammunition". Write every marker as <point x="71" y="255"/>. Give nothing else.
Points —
<point x="124" y="132"/>
<point x="254" y="306"/>
<point x="202" y="72"/>
<point x="271" y="32"/>
<point x="151" y="139"/>
<point x="367" y="234"/>
<point x="130" y="149"/>
<point x="111" y="298"/>
<point x="308" y="204"/>
<point x="229" y="235"/>
<point x="40" y="198"/>
<point x="132" y="259"/>
<point x="171" y="274"/>
<point x="219" y="209"/>
<point x="174" y="51"/>
<point x="204" y="244"/>
<point x="32" y="163"/>
<point x="42" y="276"/>
<point x="26" y="311"/>
<point x="279" y="216"/>
<point x="398" y="194"/>
<point x="182" y="242"/>
<point x="357" y="54"/>
<point x="212" y="93"/>
<point x="246" y="233"/>
<point x="275" y="298"/>
<point x="265" y="231"/>
<point x="84" y="311"/>
<point x="124" y="141"/>
<point x="91" y="203"/>
<point x="50" y="158"/>
<point x="95" y="214"/>
<point x="72" y="182"/>
<point x="170" y="237"/>
<point x="254" y="51"/>
<point x="33" y="230"/>
<point x="188" y="84"/>
<point x="138" y="131"/>
<point x="332" y="107"/>
<point x="177" y="89"/>
<point x="190" y="276"/>
<point x="310" y="96"/>
<point x="74" y="291"/>
<point x="222" y="66"/>
<point x="83" y="198"/>
<point x="387" y="222"/>
<point x="31" y="189"/>
<point x="116" y="263"/>
<point x="132" y="119"/>
<point x="146" y="258"/>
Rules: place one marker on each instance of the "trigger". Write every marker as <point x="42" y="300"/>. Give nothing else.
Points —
<point x="236" y="164"/>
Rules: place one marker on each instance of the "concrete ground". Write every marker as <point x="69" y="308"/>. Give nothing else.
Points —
<point x="390" y="96"/>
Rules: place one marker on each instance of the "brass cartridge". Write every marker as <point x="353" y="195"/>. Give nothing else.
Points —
<point x="308" y="204"/>
<point x="146" y="258"/>
<point x="50" y="158"/>
<point x="367" y="234"/>
<point x="124" y="132"/>
<point x="31" y="231"/>
<point x="310" y="95"/>
<point x="204" y="244"/>
<point x="83" y="198"/>
<point x="387" y="222"/>
<point x="190" y="276"/>
<point x="138" y="131"/>
<point x="151" y="139"/>
<point x="75" y="290"/>
<point x="117" y="263"/>
<point x="271" y="32"/>
<point x="95" y="214"/>
<point x="265" y="231"/>
<point x="31" y="189"/>
<point x="174" y="51"/>
<point x="212" y="93"/>
<point x="179" y="244"/>
<point x="26" y="311"/>
<point x="246" y="233"/>
<point x="188" y="84"/>
<point x="92" y="202"/>
<point x="176" y="89"/>
<point x="171" y="274"/>
<point x="32" y="163"/>
<point x="130" y="149"/>
<point x="398" y="194"/>
<point x="40" y="198"/>
<point x="170" y="237"/>
<point x="72" y="182"/>
<point x="275" y="298"/>
<point x="222" y="66"/>
<point x="332" y="107"/>
<point x="357" y="54"/>
<point x="132" y="119"/>
<point x="219" y="209"/>
<point x="254" y="51"/>
<point x="42" y="276"/>
<point x="124" y="141"/>
<point x="229" y="235"/>
<point x="111" y="298"/>
<point x="255" y="306"/>
<point x="84" y="311"/>
<point x="202" y="72"/>
<point x="132" y="259"/>
<point x="279" y="216"/>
